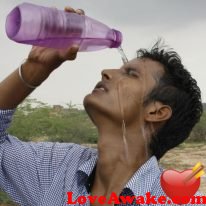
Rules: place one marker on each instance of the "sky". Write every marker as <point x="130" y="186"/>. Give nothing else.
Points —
<point x="181" y="23"/>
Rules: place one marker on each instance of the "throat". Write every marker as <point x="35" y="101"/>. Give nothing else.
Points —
<point x="112" y="176"/>
<point x="121" y="153"/>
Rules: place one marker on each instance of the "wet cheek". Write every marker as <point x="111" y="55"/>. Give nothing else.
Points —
<point x="134" y="94"/>
<point x="132" y="103"/>
<point x="127" y="98"/>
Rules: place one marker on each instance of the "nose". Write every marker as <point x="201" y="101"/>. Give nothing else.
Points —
<point x="107" y="74"/>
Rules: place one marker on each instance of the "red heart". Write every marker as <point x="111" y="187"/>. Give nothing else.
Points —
<point x="174" y="185"/>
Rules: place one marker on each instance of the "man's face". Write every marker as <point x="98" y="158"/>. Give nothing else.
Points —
<point x="121" y="93"/>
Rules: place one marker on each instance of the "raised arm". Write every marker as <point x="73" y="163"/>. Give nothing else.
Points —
<point x="36" y="68"/>
<point x="27" y="169"/>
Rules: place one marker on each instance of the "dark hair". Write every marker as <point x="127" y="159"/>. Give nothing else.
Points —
<point x="177" y="89"/>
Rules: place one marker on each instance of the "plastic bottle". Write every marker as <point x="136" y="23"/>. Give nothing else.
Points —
<point x="50" y="27"/>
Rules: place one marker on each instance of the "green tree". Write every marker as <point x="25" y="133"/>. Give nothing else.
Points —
<point x="35" y="120"/>
<point x="199" y="131"/>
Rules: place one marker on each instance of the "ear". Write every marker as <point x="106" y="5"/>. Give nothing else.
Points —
<point x="157" y="112"/>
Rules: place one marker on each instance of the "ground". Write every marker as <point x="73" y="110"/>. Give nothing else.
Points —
<point x="185" y="157"/>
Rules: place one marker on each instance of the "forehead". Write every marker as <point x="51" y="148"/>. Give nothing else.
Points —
<point x="147" y="66"/>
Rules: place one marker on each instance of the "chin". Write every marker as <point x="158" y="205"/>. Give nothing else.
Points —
<point x="93" y="103"/>
<point x="89" y="106"/>
<point x="87" y="101"/>
<point x="98" y="109"/>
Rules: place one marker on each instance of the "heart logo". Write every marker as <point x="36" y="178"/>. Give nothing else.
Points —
<point x="177" y="188"/>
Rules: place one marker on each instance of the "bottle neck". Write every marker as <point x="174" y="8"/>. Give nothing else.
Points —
<point x="118" y="39"/>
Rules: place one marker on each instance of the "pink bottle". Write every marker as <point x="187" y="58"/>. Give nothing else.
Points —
<point x="50" y="27"/>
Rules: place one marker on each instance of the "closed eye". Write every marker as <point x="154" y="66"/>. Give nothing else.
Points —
<point x="132" y="72"/>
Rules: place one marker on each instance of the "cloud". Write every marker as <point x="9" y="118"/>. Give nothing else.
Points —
<point x="168" y="13"/>
<point x="180" y="23"/>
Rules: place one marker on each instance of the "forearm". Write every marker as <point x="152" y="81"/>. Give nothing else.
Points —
<point x="13" y="90"/>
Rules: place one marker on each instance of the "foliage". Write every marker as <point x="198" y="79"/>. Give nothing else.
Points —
<point x="199" y="131"/>
<point x="5" y="200"/>
<point x="52" y="123"/>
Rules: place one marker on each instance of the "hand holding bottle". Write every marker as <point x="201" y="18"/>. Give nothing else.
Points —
<point x="38" y="66"/>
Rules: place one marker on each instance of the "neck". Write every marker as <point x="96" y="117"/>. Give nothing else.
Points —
<point x="121" y="153"/>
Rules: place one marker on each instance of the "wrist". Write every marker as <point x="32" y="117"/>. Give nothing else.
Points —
<point x="32" y="64"/>
<point x="33" y="73"/>
<point x="24" y="81"/>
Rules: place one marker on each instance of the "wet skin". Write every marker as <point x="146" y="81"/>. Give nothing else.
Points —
<point x="120" y="96"/>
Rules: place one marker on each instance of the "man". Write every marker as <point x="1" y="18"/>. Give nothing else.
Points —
<point x="141" y="110"/>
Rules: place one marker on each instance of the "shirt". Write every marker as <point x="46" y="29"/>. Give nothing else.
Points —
<point x="41" y="174"/>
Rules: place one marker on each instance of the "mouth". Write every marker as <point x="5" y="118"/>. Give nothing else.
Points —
<point x="100" y="87"/>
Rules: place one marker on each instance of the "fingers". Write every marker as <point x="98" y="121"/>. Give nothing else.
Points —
<point x="69" y="9"/>
<point x="80" y="11"/>
<point x="70" y="54"/>
<point x="77" y="11"/>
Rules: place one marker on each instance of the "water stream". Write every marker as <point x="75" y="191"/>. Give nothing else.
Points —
<point x="120" y="93"/>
